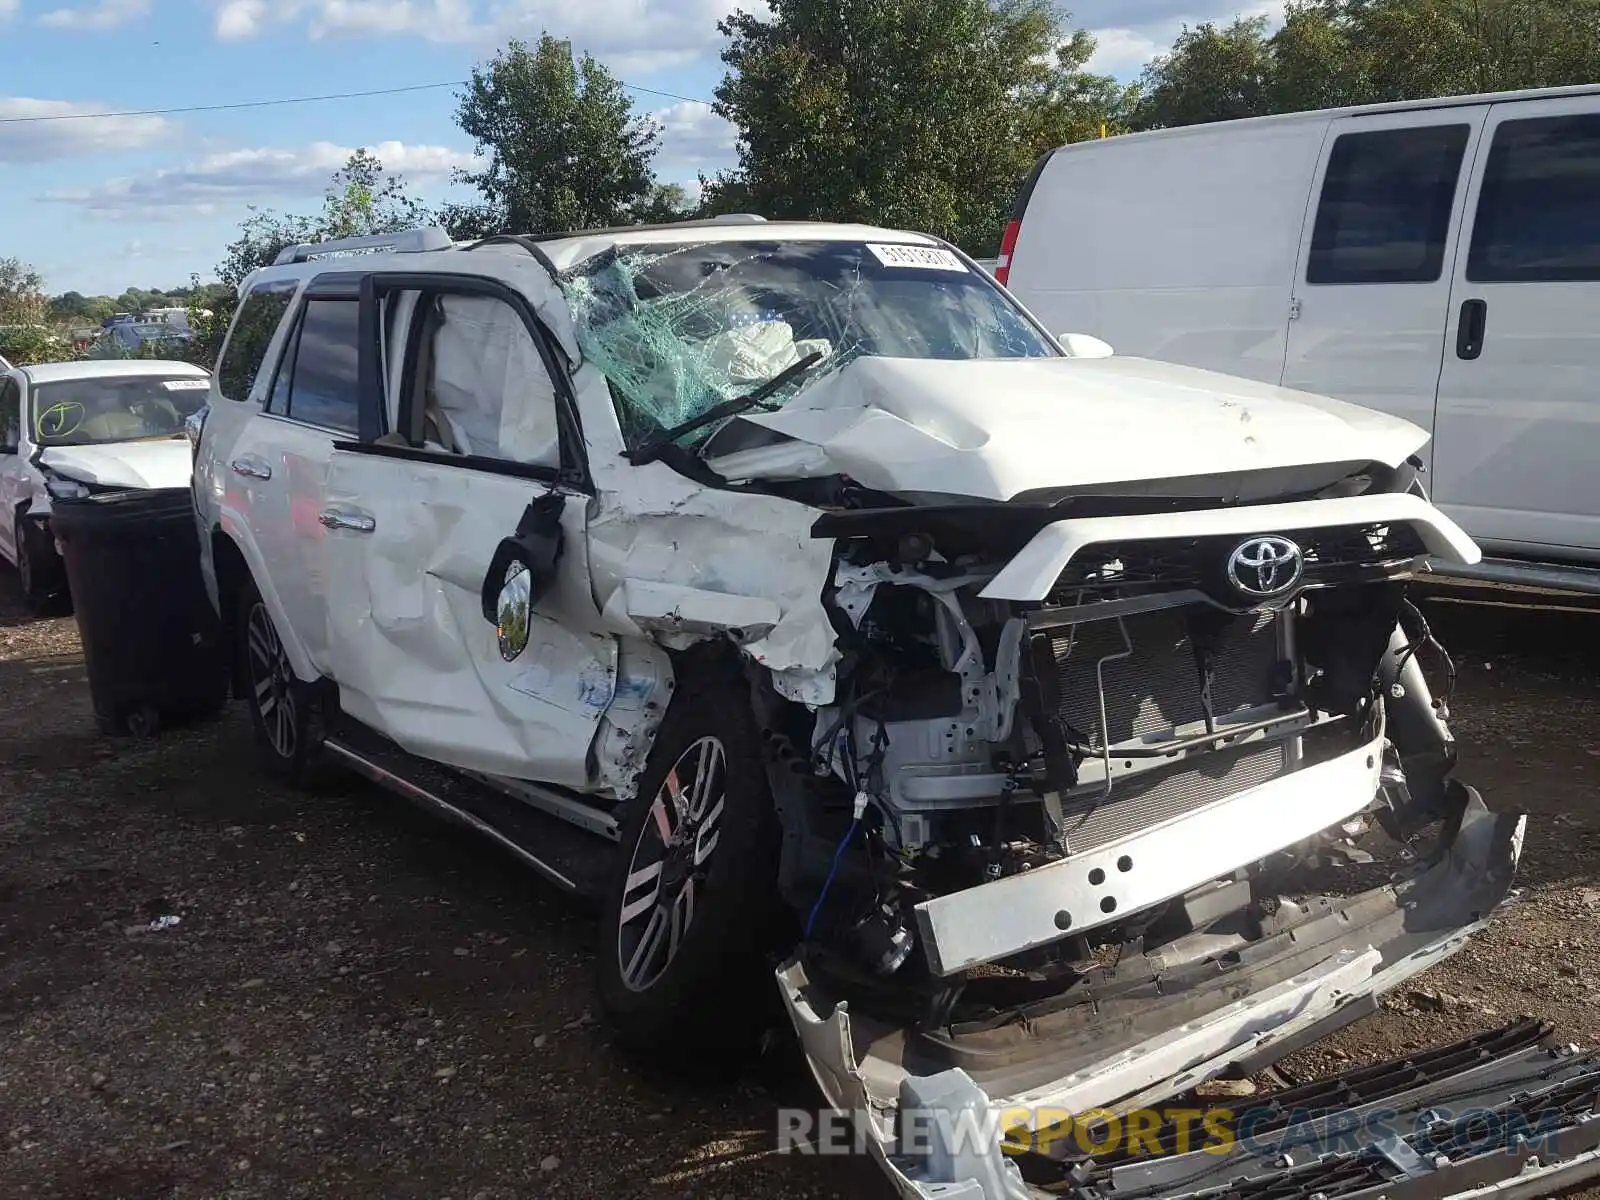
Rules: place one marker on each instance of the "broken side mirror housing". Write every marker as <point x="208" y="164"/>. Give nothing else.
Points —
<point x="521" y="571"/>
<point x="1084" y="345"/>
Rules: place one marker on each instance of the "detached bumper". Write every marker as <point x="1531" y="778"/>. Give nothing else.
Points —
<point x="1285" y="991"/>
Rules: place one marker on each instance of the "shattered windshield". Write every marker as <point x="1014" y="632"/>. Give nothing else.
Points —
<point x="679" y="329"/>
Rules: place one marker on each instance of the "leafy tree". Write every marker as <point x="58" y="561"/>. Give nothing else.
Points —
<point x="916" y="113"/>
<point x="1210" y="74"/>
<point x="76" y="307"/>
<point x="1338" y="52"/>
<point x="666" y="202"/>
<point x="361" y="199"/>
<point x="564" y="148"/>
<point x="22" y="299"/>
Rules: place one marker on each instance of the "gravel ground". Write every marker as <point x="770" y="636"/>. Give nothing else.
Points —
<point x="357" y="1001"/>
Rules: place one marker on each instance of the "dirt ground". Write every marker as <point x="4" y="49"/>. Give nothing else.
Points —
<point x="357" y="1001"/>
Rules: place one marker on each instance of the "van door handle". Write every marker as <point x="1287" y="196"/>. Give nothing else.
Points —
<point x="352" y="519"/>
<point x="1469" y="333"/>
<point x="252" y="466"/>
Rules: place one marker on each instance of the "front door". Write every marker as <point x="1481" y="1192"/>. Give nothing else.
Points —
<point x="1373" y="284"/>
<point x="414" y="520"/>
<point x="1517" y="459"/>
<point x="16" y="482"/>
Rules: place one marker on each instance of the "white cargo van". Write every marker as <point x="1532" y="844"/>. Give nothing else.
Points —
<point x="1438" y="260"/>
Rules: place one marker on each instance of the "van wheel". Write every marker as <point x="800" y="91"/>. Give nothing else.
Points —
<point x="284" y="711"/>
<point x="688" y="918"/>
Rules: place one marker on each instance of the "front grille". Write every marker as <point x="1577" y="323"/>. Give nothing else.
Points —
<point x="1200" y="562"/>
<point x="1149" y="692"/>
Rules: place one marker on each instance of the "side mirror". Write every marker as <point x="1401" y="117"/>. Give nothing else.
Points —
<point x="523" y="567"/>
<point x="1084" y="345"/>
<point x="512" y="608"/>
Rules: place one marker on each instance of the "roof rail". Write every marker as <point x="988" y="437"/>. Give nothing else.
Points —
<point x="409" y="241"/>
<point x="697" y="223"/>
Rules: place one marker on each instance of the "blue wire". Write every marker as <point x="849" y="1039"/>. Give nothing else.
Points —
<point x="832" y="871"/>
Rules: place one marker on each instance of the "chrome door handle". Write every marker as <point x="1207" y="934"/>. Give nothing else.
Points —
<point x="351" y="519"/>
<point x="253" y="467"/>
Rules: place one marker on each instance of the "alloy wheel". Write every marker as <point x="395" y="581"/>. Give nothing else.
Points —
<point x="670" y="862"/>
<point x="271" y="681"/>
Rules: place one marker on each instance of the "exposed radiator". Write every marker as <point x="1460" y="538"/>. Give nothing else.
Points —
<point x="1150" y="691"/>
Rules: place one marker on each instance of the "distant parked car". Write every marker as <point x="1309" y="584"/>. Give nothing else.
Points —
<point x="68" y="428"/>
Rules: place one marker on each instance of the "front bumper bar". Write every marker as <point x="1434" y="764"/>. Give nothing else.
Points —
<point x="1251" y="1014"/>
<point x="1111" y="882"/>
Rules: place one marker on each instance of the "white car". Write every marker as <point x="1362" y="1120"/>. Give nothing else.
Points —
<point x="79" y="427"/>
<point x="791" y="591"/>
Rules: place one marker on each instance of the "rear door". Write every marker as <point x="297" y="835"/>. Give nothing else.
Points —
<point x="278" y="465"/>
<point x="1369" y="311"/>
<point x="1517" y="459"/>
<point x="485" y="437"/>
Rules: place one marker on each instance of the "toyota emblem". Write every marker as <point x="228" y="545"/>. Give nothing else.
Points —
<point x="1265" y="566"/>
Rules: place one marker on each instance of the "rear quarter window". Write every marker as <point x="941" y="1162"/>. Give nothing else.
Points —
<point x="260" y="313"/>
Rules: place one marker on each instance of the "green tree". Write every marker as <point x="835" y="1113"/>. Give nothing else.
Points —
<point x="923" y="114"/>
<point x="22" y="298"/>
<point x="361" y="199"/>
<point x="76" y="307"/>
<point x="1330" y="53"/>
<point x="564" y="148"/>
<point x="1210" y="74"/>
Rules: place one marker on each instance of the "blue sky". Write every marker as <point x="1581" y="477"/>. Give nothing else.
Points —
<point x="99" y="203"/>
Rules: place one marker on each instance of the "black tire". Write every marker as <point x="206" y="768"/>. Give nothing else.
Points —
<point x="44" y="591"/>
<point x="712" y="997"/>
<point x="285" y="713"/>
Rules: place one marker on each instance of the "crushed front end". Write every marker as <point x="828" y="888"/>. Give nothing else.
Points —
<point x="1087" y="822"/>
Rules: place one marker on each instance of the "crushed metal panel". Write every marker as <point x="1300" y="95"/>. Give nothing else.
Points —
<point x="417" y="660"/>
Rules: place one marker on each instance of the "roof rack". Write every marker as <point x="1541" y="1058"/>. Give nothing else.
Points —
<point x="409" y="241"/>
<point x="699" y="223"/>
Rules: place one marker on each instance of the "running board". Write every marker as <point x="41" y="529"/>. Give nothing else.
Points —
<point x="577" y="862"/>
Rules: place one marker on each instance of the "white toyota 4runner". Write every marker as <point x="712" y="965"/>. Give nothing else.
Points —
<point x="788" y="589"/>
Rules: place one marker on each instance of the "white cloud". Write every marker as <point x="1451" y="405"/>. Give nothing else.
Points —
<point x="106" y="14"/>
<point x="244" y="176"/>
<point x="41" y="130"/>
<point x="693" y="138"/>
<point x="629" y="35"/>
<point x="1123" y="50"/>
<point x="8" y="9"/>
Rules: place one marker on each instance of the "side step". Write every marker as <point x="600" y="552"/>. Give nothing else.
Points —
<point x="576" y="861"/>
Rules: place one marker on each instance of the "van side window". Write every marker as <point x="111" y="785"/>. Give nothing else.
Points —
<point x="259" y="314"/>
<point x="483" y="384"/>
<point x="1384" y="214"/>
<point x="1539" y="207"/>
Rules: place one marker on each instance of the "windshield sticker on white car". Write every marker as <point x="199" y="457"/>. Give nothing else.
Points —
<point x="928" y="258"/>
<point x="185" y="385"/>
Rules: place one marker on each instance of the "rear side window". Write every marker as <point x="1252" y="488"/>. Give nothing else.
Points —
<point x="320" y="388"/>
<point x="1384" y="213"/>
<point x="1539" y="208"/>
<point x="259" y="314"/>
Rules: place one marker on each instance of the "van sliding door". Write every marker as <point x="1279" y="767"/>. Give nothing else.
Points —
<point x="1372" y="286"/>
<point x="1517" y="454"/>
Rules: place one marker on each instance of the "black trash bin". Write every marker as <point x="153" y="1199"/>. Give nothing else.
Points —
<point x="151" y="641"/>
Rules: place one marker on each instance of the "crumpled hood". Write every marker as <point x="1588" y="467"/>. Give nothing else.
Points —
<point x="163" y="463"/>
<point x="991" y="429"/>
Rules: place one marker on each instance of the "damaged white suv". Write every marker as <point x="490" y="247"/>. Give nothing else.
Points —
<point x="787" y="588"/>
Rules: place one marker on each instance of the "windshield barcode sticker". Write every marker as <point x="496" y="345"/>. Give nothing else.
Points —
<point x="927" y="258"/>
<point x="185" y="385"/>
